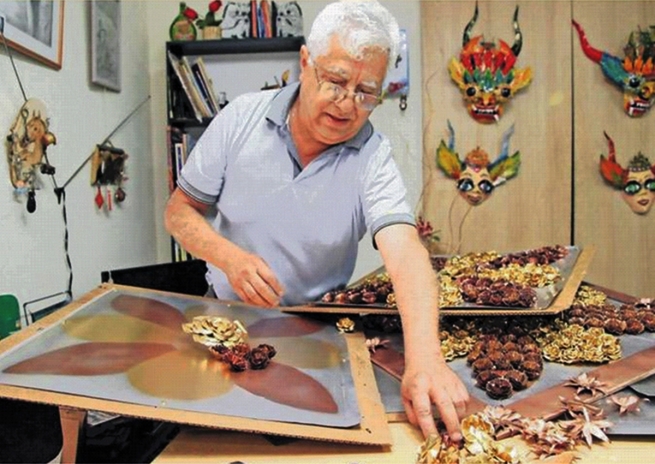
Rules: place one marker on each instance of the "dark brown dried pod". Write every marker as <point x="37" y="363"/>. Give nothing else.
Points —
<point x="237" y="363"/>
<point x="493" y="344"/>
<point x="525" y="339"/>
<point x="510" y="346"/>
<point x="483" y="377"/>
<point x="258" y="358"/>
<point x="530" y="348"/>
<point x="341" y="298"/>
<point x="577" y="321"/>
<point x="626" y="314"/>
<point x="473" y="356"/>
<point x="508" y="337"/>
<point x="328" y="297"/>
<point x="594" y="322"/>
<point x="269" y="350"/>
<point x="369" y="297"/>
<point x="499" y="388"/>
<point x="649" y="323"/>
<point x="614" y="326"/>
<point x="576" y="312"/>
<point x="482" y="364"/>
<point x="518" y="379"/>
<point x="496" y="356"/>
<point x="532" y="369"/>
<point x="634" y="327"/>
<point x="241" y="350"/>
<point x="354" y="297"/>
<point x="534" y="357"/>
<point x="514" y="358"/>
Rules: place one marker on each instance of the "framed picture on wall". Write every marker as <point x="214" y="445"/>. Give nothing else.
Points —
<point x="105" y="44"/>
<point x="35" y="28"/>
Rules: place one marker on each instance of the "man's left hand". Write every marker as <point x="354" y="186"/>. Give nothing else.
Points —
<point x="434" y="383"/>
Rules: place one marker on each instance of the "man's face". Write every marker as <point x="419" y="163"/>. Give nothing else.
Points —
<point x="638" y="191"/>
<point x="328" y="121"/>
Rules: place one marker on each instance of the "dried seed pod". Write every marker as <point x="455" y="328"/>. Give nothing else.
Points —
<point x="518" y="379"/>
<point x="499" y="388"/>
<point x="634" y="327"/>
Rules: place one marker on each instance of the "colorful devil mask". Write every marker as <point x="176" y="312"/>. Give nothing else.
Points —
<point x="485" y="73"/>
<point x="476" y="177"/>
<point x="637" y="182"/>
<point x="634" y="74"/>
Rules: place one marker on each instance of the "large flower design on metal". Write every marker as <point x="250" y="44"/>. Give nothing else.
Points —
<point x="163" y="351"/>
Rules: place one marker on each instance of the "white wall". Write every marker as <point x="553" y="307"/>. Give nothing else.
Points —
<point x="403" y="128"/>
<point x="32" y="260"/>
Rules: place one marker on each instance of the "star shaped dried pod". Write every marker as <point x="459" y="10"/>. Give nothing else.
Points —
<point x="575" y="405"/>
<point x="585" y="383"/>
<point x="586" y="427"/>
<point x="505" y="421"/>
<point x="627" y="403"/>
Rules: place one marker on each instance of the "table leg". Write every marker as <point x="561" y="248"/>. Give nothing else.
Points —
<point x="72" y="420"/>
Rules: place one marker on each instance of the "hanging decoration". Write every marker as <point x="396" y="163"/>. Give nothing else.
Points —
<point x="485" y="73"/>
<point x="28" y="139"/>
<point x="476" y="176"/>
<point x="108" y="171"/>
<point x="396" y="83"/>
<point x="636" y="182"/>
<point x="634" y="74"/>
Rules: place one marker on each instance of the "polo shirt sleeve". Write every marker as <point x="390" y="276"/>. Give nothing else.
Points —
<point x="203" y="173"/>
<point x="384" y="193"/>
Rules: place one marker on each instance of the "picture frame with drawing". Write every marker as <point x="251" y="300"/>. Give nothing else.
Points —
<point x="105" y="44"/>
<point x="35" y="29"/>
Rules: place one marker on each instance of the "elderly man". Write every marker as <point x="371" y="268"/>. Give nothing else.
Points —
<point x="297" y="176"/>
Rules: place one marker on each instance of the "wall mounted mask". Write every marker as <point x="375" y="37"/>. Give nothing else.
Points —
<point x="477" y="177"/>
<point x="485" y="73"/>
<point x="634" y="74"/>
<point x="636" y="182"/>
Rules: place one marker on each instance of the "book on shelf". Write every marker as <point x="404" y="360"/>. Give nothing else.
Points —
<point x="265" y="7"/>
<point x="208" y="81"/>
<point x="195" y="89"/>
<point x="205" y="87"/>
<point x="187" y="85"/>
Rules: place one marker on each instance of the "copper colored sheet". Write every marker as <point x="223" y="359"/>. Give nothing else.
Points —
<point x="552" y="300"/>
<point x="370" y="426"/>
<point x="616" y="376"/>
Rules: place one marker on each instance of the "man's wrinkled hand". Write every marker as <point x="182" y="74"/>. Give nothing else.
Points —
<point x="423" y="387"/>
<point x="253" y="281"/>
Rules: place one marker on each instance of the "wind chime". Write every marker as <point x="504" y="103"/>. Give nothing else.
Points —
<point x="108" y="171"/>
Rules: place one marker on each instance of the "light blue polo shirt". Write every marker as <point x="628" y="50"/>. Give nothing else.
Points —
<point x="305" y="224"/>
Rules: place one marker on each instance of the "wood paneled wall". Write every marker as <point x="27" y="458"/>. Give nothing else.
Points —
<point x="558" y="196"/>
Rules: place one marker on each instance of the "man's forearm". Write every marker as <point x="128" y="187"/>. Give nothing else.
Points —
<point x="196" y="235"/>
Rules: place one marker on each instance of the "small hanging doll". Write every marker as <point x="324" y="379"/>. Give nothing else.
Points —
<point x="108" y="171"/>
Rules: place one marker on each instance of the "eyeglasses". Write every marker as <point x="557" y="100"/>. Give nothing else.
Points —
<point x="633" y="187"/>
<point x="337" y="93"/>
<point x="466" y="185"/>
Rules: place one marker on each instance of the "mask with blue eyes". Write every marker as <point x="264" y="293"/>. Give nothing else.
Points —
<point x="476" y="177"/>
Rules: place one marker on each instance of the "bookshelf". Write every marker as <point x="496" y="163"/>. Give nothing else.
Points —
<point x="232" y="66"/>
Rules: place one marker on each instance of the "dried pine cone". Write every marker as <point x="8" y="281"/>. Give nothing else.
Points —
<point x="499" y="388"/>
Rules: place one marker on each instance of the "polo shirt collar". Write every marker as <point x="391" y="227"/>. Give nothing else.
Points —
<point x="281" y="105"/>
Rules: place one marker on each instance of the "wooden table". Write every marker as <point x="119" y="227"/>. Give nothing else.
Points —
<point x="198" y="446"/>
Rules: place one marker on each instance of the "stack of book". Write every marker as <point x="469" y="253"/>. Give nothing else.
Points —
<point x="197" y="86"/>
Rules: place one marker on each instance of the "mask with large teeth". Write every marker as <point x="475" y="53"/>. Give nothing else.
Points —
<point x="486" y="75"/>
<point x="634" y="74"/>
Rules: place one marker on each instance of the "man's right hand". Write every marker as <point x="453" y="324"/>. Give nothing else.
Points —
<point x="253" y="281"/>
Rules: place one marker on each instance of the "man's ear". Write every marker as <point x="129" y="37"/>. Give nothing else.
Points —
<point x="304" y="57"/>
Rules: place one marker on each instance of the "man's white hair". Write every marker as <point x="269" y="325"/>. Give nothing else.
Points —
<point x="358" y="25"/>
